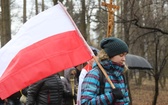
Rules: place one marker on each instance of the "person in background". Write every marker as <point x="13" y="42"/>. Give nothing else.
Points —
<point x="13" y="99"/>
<point x="1" y="102"/>
<point x="48" y="91"/>
<point x="68" y="96"/>
<point x="112" y="59"/>
<point x="84" y="71"/>
<point x="71" y="74"/>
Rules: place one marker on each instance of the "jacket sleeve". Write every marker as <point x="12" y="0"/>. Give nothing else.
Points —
<point x="32" y="92"/>
<point x="90" y="90"/>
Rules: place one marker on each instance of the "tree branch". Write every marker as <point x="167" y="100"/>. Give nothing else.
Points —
<point x="135" y="22"/>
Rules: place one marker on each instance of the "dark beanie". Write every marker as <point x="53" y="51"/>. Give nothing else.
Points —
<point x="113" y="46"/>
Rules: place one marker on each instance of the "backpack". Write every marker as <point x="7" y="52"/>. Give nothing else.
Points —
<point x="102" y="81"/>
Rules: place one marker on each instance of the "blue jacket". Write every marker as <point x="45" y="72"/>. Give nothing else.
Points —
<point x="91" y="86"/>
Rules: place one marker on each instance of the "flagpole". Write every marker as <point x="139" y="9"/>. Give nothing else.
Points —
<point x="101" y="68"/>
<point x="108" y="79"/>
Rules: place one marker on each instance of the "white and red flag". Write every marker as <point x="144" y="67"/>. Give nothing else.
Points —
<point x="48" y="43"/>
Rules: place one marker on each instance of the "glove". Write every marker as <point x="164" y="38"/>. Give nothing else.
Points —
<point x="117" y="93"/>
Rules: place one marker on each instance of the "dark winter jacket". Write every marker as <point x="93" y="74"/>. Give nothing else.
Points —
<point x="48" y="91"/>
<point x="14" y="98"/>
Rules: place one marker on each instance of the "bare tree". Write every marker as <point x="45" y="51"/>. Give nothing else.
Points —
<point x="55" y="2"/>
<point x="83" y="17"/>
<point x="36" y="4"/>
<point x="24" y="12"/>
<point x="6" y="22"/>
<point x="146" y="31"/>
<point x="42" y="5"/>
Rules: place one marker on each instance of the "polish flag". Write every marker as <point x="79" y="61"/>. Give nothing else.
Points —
<point x="46" y="44"/>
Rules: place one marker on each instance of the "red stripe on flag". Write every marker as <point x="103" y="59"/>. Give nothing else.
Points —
<point x="43" y="58"/>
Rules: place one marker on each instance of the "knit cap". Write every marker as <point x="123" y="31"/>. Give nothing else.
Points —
<point x="113" y="46"/>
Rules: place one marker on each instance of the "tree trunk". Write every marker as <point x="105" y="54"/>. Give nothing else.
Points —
<point x="36" y="3"/>
<point x="156" y="76"/>
<point x="162" y="81"/>
<point x="55" y="2"/>
<point x="141" y="75"/>
<point x="126" y="33"/>
<point x="24" y="12"/>
<point x="156" y="90"/>
<point x="42" y="5"/>
<point x="83" y="23"/>
<point x="6" y="22"/>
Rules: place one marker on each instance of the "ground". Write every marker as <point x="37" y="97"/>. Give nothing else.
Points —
<point x="143" y="95"/>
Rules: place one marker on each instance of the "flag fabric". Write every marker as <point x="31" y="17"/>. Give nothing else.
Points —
<point x="46" y="44"/>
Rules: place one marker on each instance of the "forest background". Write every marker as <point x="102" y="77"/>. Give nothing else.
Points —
<point x="141" y="23"/>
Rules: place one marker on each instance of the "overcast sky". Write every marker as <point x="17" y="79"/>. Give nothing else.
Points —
<point x="17" y="13"/>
